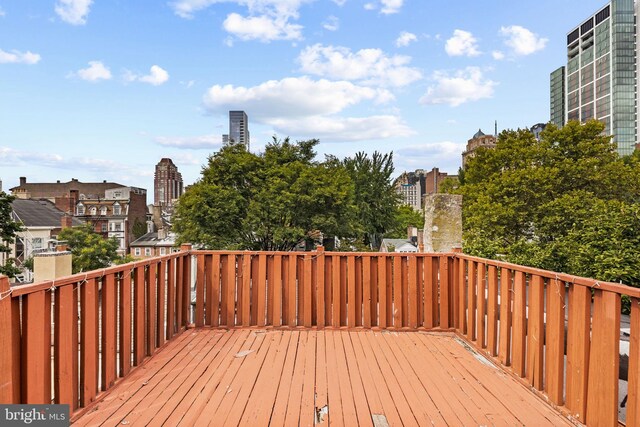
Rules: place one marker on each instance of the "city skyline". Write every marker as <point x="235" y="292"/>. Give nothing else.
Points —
<point x="96" y="90"/>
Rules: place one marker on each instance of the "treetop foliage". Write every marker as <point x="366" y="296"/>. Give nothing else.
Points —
<point x="565" y="203"/>
<point x="89" y="250"/>
<point x="8" y="230"/>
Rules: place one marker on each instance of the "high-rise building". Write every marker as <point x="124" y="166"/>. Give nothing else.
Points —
<point x="167" y="183"/>
<point x="478" y="140"/>
<point x="239" y="128"/>
<point x="600" y="77"/>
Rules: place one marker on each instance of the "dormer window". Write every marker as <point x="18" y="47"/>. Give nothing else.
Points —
<point x="103" y="210"/>
<point x="79" y="209"/>
<point x="116" y="209"/>
<point x="93" y="211"/>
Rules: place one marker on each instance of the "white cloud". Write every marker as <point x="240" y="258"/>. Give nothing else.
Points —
<point x="188" y="84"/>
<point x="522" y="41"/>
<point x="95" y="72"/>
<point x="302" y="107"/>
<point x="190" y="142"/>
<point x="497" y="55"/>
<point x="340" y="2"/>
<point x="266" y="20"/>
<point x="462" y="43"/>
<point x="73" y="12"/>
<point x="405" y="38"/>
<point x="292" y="96"/>
<point x="17" y="57"/>
<point x="446" y="155"/>
<point x="264" y="28"/>
<point x="336" y="129"/>
<point x="2" y="13"/>
<point x="387" y="7"/>
<point x="331" y="24"/>
<point x="156" y="77"/>
<point x="458" y="88"/>
<point x="368" y="66"/>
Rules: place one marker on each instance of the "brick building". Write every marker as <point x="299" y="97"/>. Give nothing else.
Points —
<point x="167" y="183"/>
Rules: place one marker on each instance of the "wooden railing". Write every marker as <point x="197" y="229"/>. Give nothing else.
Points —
<point x="104" y="323"/>
<point x="525" y="318"/>
<point x="83" y="332"/>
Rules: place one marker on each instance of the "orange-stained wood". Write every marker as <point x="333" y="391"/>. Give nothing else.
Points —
<point x="320" y="289"/>
<point x="397" y="292"/>
<point x="200" y="266"/>
<point x="504" y="351"/>
<point x="35" y="354"/>
<point x="152" y="305"/>
<point x="291" y="291"/>
<point x="186" y="293"/>
<point x="413" y="299"/>
<point x="180" y="294"/>
<point x="308" y="292"/>
<point x="492" y="311"/>
<point x="462" y="296"/>
<point x="351" y="292"/>
<point x="633" y="389"/>
<point x="230" y="290"/>
<point x="481" y="304"/>
<point x="89" y="340"/>
<point x="604" y="360"/>
<point x="578" y="343"/>
<point x="124" y="311"/>
<point x="161" y="304"/>
<point x="535" y="333"/>
<point x="335" y="291"/>
<point x="254" y="289"/>
<point x="171" y="298"/>
<point x="9" y="387"/>
<point x="359" y="291"/>
<point x="109" y="332"/>
<point x="428" y="301"/>
<point x="343" y="290"/>
<point x="138" y="317"/>
<point x="277" y="291"/>
<point x="519" y="324"/>
<point x="66" y="381"/>
<point x="382" y="292"/>
<point x="554" y="341"/>
<point x="471" y="301"/>
<point x="444" y="292"/>
<point x="261" y="307"/>
<point x="246" y="290"/>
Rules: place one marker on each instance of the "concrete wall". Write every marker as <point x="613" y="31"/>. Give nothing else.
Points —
<point x="443" y="222"/>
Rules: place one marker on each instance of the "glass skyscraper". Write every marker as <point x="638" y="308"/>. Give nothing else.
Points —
<point x="599" y="80"/>
<point x="239" y="128"/>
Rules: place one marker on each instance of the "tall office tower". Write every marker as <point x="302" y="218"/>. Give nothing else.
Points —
<point x="167" y="183"/>
<point x="239" y="128"/>
<point x="557" y="97"/>
<point x="601" y="73"/>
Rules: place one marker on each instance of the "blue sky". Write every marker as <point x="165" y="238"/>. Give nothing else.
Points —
<point x="103" y="89"/>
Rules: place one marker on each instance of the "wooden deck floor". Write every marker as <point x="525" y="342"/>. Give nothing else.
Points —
<point x="301" y="377"/>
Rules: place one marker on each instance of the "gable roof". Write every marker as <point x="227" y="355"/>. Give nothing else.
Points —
<point x="39" y="213"/>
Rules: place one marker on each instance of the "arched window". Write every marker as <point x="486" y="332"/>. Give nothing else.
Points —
<point x="93" y="210"/>
<point x="103" y="210"/>
<point x="116" y="209"/>
<point x="79" y="209"/>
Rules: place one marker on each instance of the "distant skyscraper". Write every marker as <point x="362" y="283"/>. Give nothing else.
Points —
<point x="600" y="79"/>
<point x="239" y="128"/>
<point x="167" y="183"/>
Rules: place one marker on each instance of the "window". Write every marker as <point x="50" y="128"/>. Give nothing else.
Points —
<point x="136" y="251"/>
<point x="36" y="243"/>
<point x="147" y="251"/>
<point x="103" y="210"/>
<point x="116" y="209"/>
<point x="163" y="251"/>
<point x="93" y="210"/>
<point x="80" y="209"/>
<point x="104" y="228"/>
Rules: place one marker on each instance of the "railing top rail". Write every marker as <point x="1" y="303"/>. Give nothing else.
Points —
<point x="19" y="290"/>
<point x="315" y="253"/>
<point x="569" y="278"/>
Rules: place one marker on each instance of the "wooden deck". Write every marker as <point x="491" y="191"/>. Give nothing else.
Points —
<point x="302" y="377"/>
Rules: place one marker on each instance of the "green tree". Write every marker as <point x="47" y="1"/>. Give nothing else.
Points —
<point x="566" y="203"/>
<point x="269" y="201"/>
<point x="405" y="217"/>
<point x="376" y="198"/>
<point x="139" y="229"/>
<point x="8" y="230"/>
<point x="89" y="250"/>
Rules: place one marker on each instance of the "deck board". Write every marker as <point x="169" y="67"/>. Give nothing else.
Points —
<point x="316" y="376"/>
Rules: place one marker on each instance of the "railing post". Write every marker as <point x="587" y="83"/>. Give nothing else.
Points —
<point x="186" y="284"/>
<point x="10" y="368"/>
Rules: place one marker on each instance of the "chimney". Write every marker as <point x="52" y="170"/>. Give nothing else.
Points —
<point x="162" y="233"/>
<point x="67" y="221"/>
<point x="23" y="180"/>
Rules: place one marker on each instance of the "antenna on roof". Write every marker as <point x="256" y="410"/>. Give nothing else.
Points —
<point x="496" y="129"/>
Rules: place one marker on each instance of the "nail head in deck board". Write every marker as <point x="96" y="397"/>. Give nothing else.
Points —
<point x="604" y="360"/>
